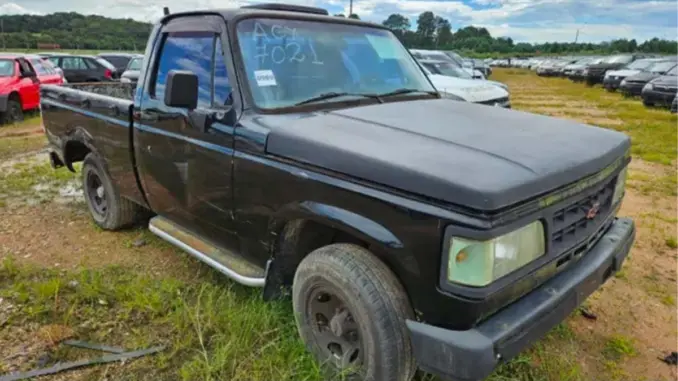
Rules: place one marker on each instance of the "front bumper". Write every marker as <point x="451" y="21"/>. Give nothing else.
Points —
<point x="658" y="97"/>
<point x="612" y="83"/>
<point x="632" y="88"/>
<point x="474" y="354"/>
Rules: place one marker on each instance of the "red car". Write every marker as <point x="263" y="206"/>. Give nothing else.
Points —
<point x="20" y="79"/>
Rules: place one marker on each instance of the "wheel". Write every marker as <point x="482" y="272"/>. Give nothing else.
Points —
<point x="350" y="311"/>
<point x="108" y="209"/>
<point x="14" y="113"/>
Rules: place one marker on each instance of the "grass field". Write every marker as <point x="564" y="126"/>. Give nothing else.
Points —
<point x="62" y="277"/>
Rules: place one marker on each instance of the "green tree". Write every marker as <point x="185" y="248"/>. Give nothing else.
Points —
<point x="354" y="16"/>
<point x="426" y="28"/>
<point x="397" y="23"/>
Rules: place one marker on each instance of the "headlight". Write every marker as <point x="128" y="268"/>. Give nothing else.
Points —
<point x="623" y="82"/>
<point x="479" y="263"/>
<point x="585" y="72"/>
<point x="648" y="86"/>
<point x="619" y="187"/>
<point x="452" y="96"/>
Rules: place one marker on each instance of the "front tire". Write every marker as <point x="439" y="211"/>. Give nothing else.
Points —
<point x="350" y="311"/>
<point x="108" y="209"/>
<point x="14" y="112"/>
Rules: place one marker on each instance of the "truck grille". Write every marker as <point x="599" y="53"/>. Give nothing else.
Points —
<point x="577" y="221"/>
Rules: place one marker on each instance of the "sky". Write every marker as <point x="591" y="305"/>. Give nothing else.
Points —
<point x="522" y="20"/>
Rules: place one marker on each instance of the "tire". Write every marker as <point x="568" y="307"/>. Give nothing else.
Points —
<point x="118" y="212"/>
<point x="377" y="305"/>
<point x="14" y="112"/>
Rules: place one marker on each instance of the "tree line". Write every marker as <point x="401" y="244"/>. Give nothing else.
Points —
<point x="435" y="32"/>
<point x="72" y="31"/>
<point x="76" y="31"/>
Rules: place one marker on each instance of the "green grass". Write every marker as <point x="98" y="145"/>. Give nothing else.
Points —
<point x="618" y="347"/>
<point x="672" y="242"/>
<point x="213" y="330"/>
<point x="17" y="145"/>
<point x="31" y="182"/>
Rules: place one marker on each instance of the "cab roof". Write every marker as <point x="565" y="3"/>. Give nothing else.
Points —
<point x="273" y="10"/>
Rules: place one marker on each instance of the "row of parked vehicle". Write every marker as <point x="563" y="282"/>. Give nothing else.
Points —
<point x="462" y="79"/>
<point x="652" y="78"/>
<point x="22" y="74"/>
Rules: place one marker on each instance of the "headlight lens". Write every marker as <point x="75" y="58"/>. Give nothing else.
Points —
<point x="479" y="263"/>
<point x="585" y="72"/>
<point x="619" y="187"/>
<point x="452" y="96"/>
<point x="623" y="82"/>
<point x="649" y="86"/>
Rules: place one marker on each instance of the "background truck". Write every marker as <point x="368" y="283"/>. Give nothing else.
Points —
<point x="310" y="154"/>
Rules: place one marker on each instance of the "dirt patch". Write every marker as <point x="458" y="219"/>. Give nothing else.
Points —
<point x="21" y="131"/>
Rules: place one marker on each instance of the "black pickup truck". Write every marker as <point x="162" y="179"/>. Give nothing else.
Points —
<point x="310" y="155"/>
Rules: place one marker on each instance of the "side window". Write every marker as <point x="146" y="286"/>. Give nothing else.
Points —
<point x="222" y="86"/>
<point x="187" y="52"/>
<point x="39" y="68"/>
<point x="73" y="63"/>
<point x="91" y="64"/>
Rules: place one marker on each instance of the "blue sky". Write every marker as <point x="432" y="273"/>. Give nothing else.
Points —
<point x="522" y="20"/>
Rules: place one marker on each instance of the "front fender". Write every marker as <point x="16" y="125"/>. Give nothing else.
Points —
<point x="341" y="219"/>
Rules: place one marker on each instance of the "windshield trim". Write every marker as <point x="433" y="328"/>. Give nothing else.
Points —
<point x="244" y="85"/>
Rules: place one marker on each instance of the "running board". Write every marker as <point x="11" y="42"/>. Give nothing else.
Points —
<point x="224" y="261"/>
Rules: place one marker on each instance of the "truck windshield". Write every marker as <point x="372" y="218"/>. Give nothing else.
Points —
<point x="6" y="68"/>
<point x="291" y="61"/>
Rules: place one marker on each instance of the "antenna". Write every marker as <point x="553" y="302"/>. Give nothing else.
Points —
<point x="165" y="11"/>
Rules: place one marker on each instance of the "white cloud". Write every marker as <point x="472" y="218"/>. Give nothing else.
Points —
<point x="15" y="9"/>
<point x="523" y="20"/>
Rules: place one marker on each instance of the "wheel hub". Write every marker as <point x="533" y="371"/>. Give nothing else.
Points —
<point x="335" y="330"/>
<point x="96" y="194"/>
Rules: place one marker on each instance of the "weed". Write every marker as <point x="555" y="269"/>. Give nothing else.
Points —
<point x="618" y="347"/>
<point x="672" y="242"/>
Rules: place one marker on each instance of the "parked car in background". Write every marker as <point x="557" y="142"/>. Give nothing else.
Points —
<point x="131" y="73"/>
<point x="633" y="85"/>
<point x="84" y="68"/>
<point x="483" y="66"/>
<point x="118" y="60"/>
<point x="453" y="86"/>
<point x="674" y="104"/>
<point x="553" y="67"/>
<point x="613" y="78"/>
<point x="662" y="90"/>
<point x="580" y="64"/>
<point x="20" y="79"/>
<point x="446" y="56"/>
<point x="595" y="74"/>
<point x="447" y="68"/>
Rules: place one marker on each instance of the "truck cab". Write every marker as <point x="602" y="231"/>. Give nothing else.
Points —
<point x="310" y="155"/>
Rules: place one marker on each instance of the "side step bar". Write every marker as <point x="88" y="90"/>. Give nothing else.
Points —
<point x="222" y="260"/>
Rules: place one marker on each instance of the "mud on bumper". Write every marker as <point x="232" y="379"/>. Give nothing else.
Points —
<point x="473" y="354"/>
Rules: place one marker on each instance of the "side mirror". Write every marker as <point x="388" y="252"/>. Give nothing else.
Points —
<point x="181" y="89"/>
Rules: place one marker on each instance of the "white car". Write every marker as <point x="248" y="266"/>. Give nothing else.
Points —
<point x="449" y="69"/>
<point x="469" y="90"/>
<point x="634" y="68"/>
<point x="442" y="56"/>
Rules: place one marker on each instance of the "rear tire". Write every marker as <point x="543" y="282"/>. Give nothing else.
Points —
<point x="367" y="303"/>
<point x="108" y="209"/>
<point x="14" y="112"/>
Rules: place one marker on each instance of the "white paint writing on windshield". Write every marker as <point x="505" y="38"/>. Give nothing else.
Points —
<point x="278" y="44"/>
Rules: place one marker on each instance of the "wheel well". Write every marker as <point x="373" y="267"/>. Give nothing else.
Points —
<point x="14" y="96"/>
<point x="75" y="151"/>
<point x="296" y="240"/>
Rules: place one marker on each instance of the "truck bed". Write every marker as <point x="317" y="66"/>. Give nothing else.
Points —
<point x="98" y="116"/>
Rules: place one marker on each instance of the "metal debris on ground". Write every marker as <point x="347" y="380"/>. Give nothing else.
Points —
<point x="116" y="354"/>
<point x="588" y="314"/>
<point x="671" y="359"/>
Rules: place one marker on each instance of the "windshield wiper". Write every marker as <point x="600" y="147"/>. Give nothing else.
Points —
<point x="331" y="95"/>
<point x="407" y="91"/>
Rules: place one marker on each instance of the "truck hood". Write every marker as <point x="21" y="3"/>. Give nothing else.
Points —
<point x="471" y="90"/>
<point x="621" y="73"/>
<point x="481" y="157"/>
<point x="670" y="81"/>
